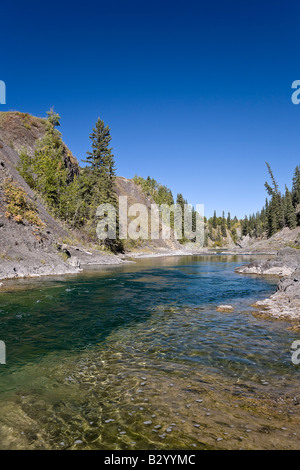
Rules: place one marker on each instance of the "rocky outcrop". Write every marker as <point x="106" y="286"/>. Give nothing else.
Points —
<point x="26" y="249"/>
<point x="20" y="131"/>
<point x="285" y="302"/>
<point x="29" y="250"/>
<point x="284" y="264"/>
<point x="280" y="240"/>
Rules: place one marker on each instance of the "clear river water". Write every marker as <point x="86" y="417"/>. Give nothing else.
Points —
<point x="137" y="357"/>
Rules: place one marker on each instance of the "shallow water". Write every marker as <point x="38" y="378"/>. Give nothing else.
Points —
<point x="136" y="357"/>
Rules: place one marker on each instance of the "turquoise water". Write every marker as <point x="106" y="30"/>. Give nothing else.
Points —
<point x="119" y="347"/>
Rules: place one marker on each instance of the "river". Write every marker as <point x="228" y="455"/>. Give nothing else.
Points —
<point x="137" y="357"/>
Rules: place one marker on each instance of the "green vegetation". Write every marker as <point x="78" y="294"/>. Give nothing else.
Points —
<point x="73" y="200"/>
<point x="45" y="172"/>
<point x="161" y="194"/>
<point x="18" y="207"/>
<point x="217" y="229"/>
<point x="100" y="179"/>
<point x="280" y="210"/>
<point x="223" y="226"/>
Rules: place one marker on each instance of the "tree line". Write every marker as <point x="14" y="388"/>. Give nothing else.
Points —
<point x="75" y="201"/>
<point x="280" y="210"/>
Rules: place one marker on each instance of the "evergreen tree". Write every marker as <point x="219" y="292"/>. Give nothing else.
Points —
<point x="296" y="193"/>
<point x="296" y="187"/>
<point x="215" y="221"/>
<point x="223" y="226"/>
<point x="102" y="176"/>
<point x="101" y="161"/>
<point x="289" y="210"/>
<point x="229" y="221"/>
<point x="181" y="202"/>
<point x="275" y="217"/>
<point x="245" y="226"/>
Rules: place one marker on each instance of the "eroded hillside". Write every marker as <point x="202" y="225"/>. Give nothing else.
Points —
<point x="33" y="241"/>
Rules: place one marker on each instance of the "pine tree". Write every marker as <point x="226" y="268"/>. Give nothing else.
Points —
<point x="101" y="160"/>
<point x="223" y="226"/>
<point x="102" y="176"/>
<point x="181" y="203"/>
<point x="296" y="187"/>
<point x="289" y="210"/>
<point x="275" y="218"/>
<point x="215" y="221"/>
<point x="229" y="221"/>
<point x="245" y="226"/>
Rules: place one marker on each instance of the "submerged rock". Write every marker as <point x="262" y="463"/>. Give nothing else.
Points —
<point x="225" y="308"/>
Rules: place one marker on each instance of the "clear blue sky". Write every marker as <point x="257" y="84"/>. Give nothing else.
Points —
<point x="197" y="93"/>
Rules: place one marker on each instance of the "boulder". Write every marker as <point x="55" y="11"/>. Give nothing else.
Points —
<point x="225" y="308"/>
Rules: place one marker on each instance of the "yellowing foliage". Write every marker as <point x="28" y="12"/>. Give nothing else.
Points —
<point x="18" y="207"/>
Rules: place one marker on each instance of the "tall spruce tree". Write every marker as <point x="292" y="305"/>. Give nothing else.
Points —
<point x="181" y="203"/>
<point x="245" y="226"/>
<point x="101" y="160"/>
<point x="214" y="220"/>
<point x="296" y="193"/>
<point x="289" y="210"/>
<point x="223" y="226"/>
<point x="102" y="176"/>
<point x="296" y="187"/>
<point x="275" y="213"/>
<point x="229" y="221"/>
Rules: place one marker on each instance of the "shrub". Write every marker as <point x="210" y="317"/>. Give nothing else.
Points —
<point x="17" y="205"/>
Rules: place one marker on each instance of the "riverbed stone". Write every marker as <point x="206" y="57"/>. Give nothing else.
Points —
<point x="225" y="308"/>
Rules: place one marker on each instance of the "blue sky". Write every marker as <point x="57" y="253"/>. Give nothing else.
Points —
<point x="197" y="93"/>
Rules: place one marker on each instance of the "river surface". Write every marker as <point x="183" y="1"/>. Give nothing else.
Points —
<point x="137" y="357"/>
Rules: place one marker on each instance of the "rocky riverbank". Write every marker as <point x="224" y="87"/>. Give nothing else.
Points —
<point x="45" y="260"/>
<point x="285" y="302"/>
